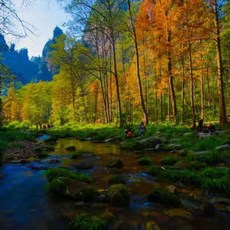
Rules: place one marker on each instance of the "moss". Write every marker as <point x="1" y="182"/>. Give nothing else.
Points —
<point x="53" y="173"/>
<point x="144" y="161"/>
<point x="168" y="161"/>
<point x="163" y="196"/>
<point x="118" y="195"/>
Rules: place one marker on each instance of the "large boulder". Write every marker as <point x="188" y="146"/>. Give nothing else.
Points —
<point x="118" y="195"/>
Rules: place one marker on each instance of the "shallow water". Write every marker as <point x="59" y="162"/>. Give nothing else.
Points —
<point x="25" y="203"/>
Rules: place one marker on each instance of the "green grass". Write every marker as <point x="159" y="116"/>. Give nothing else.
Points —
<point x="212" y="179"/>
<point x="83" y="222"/>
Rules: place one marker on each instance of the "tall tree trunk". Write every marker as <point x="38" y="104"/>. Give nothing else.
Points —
<point x="121" y="122"/>
<point x="202" y="97"/>
<point x="183" y="92"/>
<point x="222" y="106"/>
<point x="170" y="76"/>
<point x="191" y="84"/>
<point x="146" y="120"/>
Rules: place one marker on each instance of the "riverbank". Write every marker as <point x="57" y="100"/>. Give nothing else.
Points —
<point x="172" y="167"/>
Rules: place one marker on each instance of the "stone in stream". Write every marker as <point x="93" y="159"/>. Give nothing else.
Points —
<point x="71" y="148"/>
<point x="117" y="163"/>
<point x="223" y="147"/>
<point x="85" y="166"/>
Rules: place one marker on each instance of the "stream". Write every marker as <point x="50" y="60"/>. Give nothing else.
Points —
<point x="26" y="204"/>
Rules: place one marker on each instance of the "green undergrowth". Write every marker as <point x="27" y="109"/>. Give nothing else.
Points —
<point x="81" y="222"/>
<point x="211" y="179"/>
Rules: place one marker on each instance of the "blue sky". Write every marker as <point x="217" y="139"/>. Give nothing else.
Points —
<point x="43" y="15"/>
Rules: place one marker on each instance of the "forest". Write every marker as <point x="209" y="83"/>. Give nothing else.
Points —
<point x="128" y="61"/>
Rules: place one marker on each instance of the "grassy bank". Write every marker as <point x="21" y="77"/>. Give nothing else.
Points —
<point x="9" y="135"/>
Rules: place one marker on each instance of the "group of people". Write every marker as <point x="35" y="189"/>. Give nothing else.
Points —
<point x="142" y="129"/>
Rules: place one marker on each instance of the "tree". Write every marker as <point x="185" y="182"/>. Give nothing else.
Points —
<point x="216" y="10"/>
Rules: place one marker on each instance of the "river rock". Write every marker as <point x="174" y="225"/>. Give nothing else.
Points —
<point x="200" y="152"/>
<point x="117" y="163"/>
<point x="151" y="225"/>
<point x="174" y="147"/>
<point x="150" y="141"/>
<point x="71" y="148"/>
<point x="221" y="204"/>
<point x="79" y="204"/>
<point x="54" y="161"/>
<point x="85" y="166"/>
<point x="222" y="147"/>
<point x="118" y="195"/>
<point x="171" y="188"/>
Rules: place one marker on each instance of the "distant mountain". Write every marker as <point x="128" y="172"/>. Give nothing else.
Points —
<point x="29" y="70"/>
<point x="47" y="70"/>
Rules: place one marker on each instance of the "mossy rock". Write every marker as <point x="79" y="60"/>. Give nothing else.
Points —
<point x="53" y="173"/>
<point x="163" y="196"/>
<point x="76" y="155"/>
<point x="196" y="165"/>
<point x="117" y="163"/>
<point x="87" y="194"/>
<point x="117" y="179"/>
<point x="58" y="186"/>
<point x="169" y="161"/>
<point x="118" y="195"/>
<point x="144" y="161"/>
<point x="43" y="155"/>
<point x="85" y="165"/>
<point x="71" y="148"/>
<point x="131" y="144"/>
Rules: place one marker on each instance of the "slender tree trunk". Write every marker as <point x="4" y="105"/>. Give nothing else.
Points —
<point x="138" y="66"/>
<point x="222" y="106"/>
<point x="202" y="97"/>
<point x="121" y="123"/>
<point x="183" y="92"/>
<point x="171" y="85"/>
<point x="191" y="84"/>
<point x="161" y="102"/>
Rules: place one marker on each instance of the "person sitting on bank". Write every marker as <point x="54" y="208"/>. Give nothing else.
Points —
<point x="128" y="133"/>
<point x="142" y="129"/>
